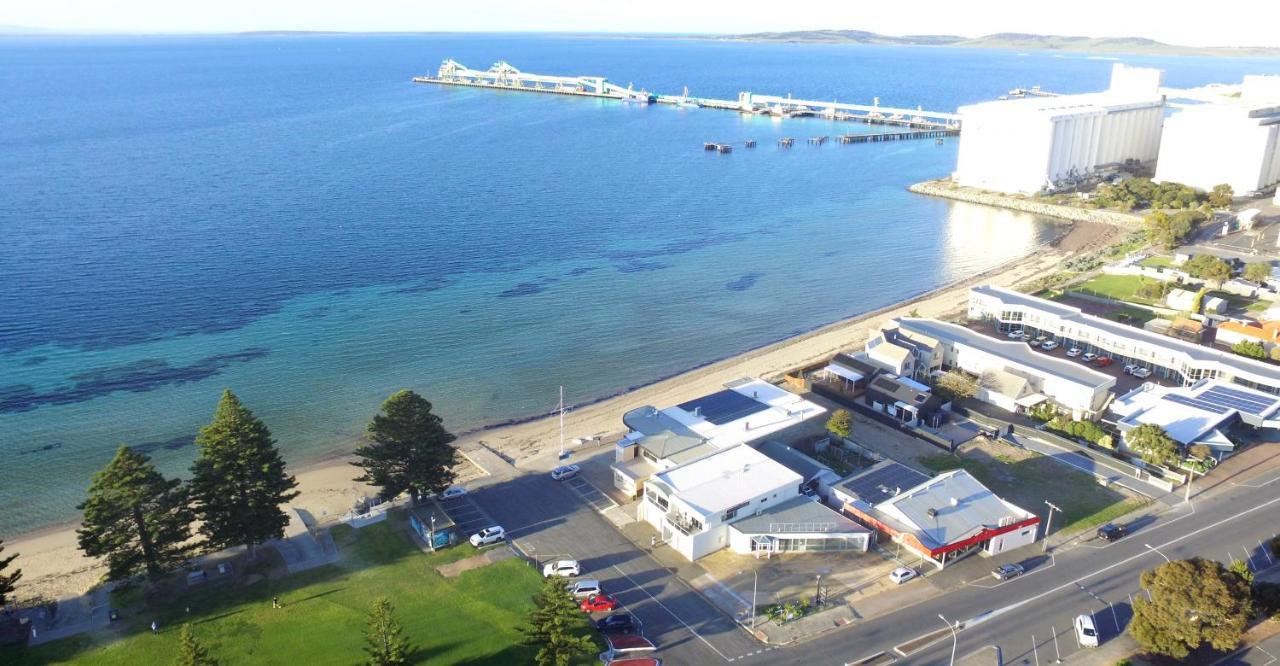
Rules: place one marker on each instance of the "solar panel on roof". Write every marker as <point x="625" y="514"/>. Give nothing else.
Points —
<point x="1238" y="399"/>
<point x="724" y="407"/>
<point x="1198" y="404"/>
<point x="881" y="484"/>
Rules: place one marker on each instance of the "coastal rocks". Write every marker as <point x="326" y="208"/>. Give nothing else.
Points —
<point x="948" y="190"/>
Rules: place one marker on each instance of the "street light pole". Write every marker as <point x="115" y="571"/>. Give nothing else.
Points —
<point x="1047" y="524"/>
<point x="954" y="638"/>
<point x="754" y="584"/>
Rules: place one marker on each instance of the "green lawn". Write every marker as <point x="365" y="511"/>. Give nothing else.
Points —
<point x="1158" y="262"/>
<point x="1028" y="479"/>
<point x="471" y="619"/>
<point x="1115" y="287"/>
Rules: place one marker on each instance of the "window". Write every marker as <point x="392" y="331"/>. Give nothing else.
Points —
<point x="732" y="512"/>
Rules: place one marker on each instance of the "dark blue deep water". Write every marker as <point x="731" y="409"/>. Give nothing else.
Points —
<point x="292" y="218"/>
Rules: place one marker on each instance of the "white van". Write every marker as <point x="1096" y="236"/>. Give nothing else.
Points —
<point x="1086" y="634"/>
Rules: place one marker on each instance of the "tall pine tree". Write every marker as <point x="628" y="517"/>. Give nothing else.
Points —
<point x="409" y="449"/>
<point x="7" y="580"/>
<point x="554" y="625"/>
<point x="191" y="652"/>
<point x="384" y="638"/>
<point x="239" y="481"/>
<point x="135" y="518"/>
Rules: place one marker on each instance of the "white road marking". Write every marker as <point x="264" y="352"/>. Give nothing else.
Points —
<point x="1266" y="551"/>
<point x="1055" y="643"/>
<point x="1034" y="651"/>
<point x="1114" y="619"/>
<point x="671" y="613"/>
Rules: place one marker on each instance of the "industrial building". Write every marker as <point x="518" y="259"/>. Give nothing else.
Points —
<point x="1235" y="141"/>
<point x="1167" y="357"/>
<point x="1038" y="143"/>
<point x="747" y="411"/>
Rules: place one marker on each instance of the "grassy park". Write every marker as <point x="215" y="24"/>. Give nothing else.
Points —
<point x="1028" y="479"/>
<point x="470" y="619"/>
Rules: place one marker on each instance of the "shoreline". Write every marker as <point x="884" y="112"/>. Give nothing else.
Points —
<point x="54" y="567"/>
<point x="945" y="189"/>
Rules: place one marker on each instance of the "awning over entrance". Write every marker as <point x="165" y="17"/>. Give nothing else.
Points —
<point x="842" y="371"/>
<point x="1031" y="400"/>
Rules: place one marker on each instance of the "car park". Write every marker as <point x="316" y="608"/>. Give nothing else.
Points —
<point x="565" y="472"/>
<point x="1007" y="571"/>
<point x="585" y="588"/>
<point x="1111" y="532"/>
<point x="618" y="623"/>
<point x="453" y="491"/>
<point x="901" y="575"/>
<point x="1103" y="361"/>
<point x="1074" y="352"/>
<point x="488" y="535"/>
<point x="1086" y="633"/>
<point x="562" y="569"/>
<point x="598" y="603"/>
<point x="1088" y="357"/>
<point x="1049" y="345"/>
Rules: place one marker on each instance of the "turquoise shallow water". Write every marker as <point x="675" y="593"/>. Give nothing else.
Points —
<point x="291" y="218"/>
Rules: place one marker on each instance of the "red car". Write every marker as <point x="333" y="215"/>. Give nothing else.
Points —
<point x="1103" y="361"/>
<point x="599" y="603"/>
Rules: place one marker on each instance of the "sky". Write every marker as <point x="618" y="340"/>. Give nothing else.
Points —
<point x="1223" y="23"/>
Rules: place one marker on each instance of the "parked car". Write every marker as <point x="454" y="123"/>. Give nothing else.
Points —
<point x="1074" y="352"/>
<point x="1142" y="373"/>
<point x="1049" y="345"/>
<point x="1089" y="357"/>
<point x="585" y="588"/>
<point x="619" y="623"/>
<point x="1104" y="361"/>
<point x="1129" y="368"/>
<point x="1007" y="571"/>
<point x="1086" y="634"/>
<point x="488" y="535"/>
<point x="598" y="603"/>
<point x="565" y="472"/>
<point x="452" y="492"/>
<point x="1111" y="532"/>
<point x="562" y="569"/>
<point x="901" y="575"/>
<point x="1015" y="334"/>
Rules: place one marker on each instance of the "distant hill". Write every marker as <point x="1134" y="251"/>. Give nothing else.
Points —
<point x="1008" y="40"/>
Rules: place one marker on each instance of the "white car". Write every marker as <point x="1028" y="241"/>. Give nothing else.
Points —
<point x="1089" y="357"/>
<point x="1086" y="634"/>
<point x="1141" y="373"/>
<point x="488" y="536"/>
<point x="901" y="575"/>
<point x="565" y="472"/>
<point x="453" y="491"/>
<point x="1074" y="352"/>
<point x="1016" y="334"/>
<point x="1128" y="369"/>
<point x="562" y="569"/>
<point x="584" y="588"/>
<point x="1049" y="345"/>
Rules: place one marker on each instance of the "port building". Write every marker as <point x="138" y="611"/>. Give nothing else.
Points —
<point x="1045" y="142"/>
<point x="1235" y="140"/>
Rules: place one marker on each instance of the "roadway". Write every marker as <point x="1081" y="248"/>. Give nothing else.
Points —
<point x="1028" y="618"/>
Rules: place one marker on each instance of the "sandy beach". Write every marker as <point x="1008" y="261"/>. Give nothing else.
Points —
<point x="54" y="568"/>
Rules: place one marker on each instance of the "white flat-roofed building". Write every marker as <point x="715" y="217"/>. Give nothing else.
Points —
<point x="1235" y="141"/>
<point x="693" y="506"/>
<point x="1167" y="357"/>
<point x="1026" y="145"/>
<point x="1198" y="414"/>
<point x="1013" y="376"/>
<point x="747" y="411"/>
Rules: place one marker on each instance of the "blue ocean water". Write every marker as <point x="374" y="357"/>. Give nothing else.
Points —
<point x="290" y="217"/>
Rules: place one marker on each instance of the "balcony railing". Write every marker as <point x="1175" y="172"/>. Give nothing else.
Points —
<point x="686" y="526"/>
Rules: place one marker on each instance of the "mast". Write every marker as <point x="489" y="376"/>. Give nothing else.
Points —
<point x="561" y="410"/>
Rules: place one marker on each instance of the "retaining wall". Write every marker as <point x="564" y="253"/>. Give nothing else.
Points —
<point x="948" y="190"/>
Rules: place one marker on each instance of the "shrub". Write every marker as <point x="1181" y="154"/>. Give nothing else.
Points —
<point x="1274" y="545"/>
<point x="1249" y="349"/>
<point x="1266" y="599"/>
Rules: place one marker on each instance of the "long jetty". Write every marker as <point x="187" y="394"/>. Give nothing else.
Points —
<point x="506" y="77"/>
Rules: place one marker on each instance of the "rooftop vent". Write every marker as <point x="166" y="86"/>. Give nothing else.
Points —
<point x="932" y="512"/>
<point x="955" y="502"/>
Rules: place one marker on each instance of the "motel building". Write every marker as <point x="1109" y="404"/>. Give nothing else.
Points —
<point x="939" y="520"/>
<point x="1168" y="358"/>
<point x="748" y="411"/>
<point x="743" y="500"/>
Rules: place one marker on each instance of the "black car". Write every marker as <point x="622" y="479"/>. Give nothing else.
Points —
<point x="1111" y="532"/>
<point x="619" y="623"/>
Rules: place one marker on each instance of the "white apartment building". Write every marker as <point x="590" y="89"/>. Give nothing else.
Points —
<point x="1012" y="375"/>
<point x="740" y="498"/>
<point x="1025" y="145"/>
<point x="747" y="411"/>
<point x="1167" y="357"/>
<point x="1234" y="141"/>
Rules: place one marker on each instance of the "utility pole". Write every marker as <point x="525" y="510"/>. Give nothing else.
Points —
<point x="1191" y="475"/>
<point x="560" y="409"/>
<point x="1047" y="524"/>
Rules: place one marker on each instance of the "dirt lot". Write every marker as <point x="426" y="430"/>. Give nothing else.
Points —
<point x="1028" y="479"/>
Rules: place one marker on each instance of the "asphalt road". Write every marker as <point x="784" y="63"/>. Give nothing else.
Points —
<point x="1028" y="618"/>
